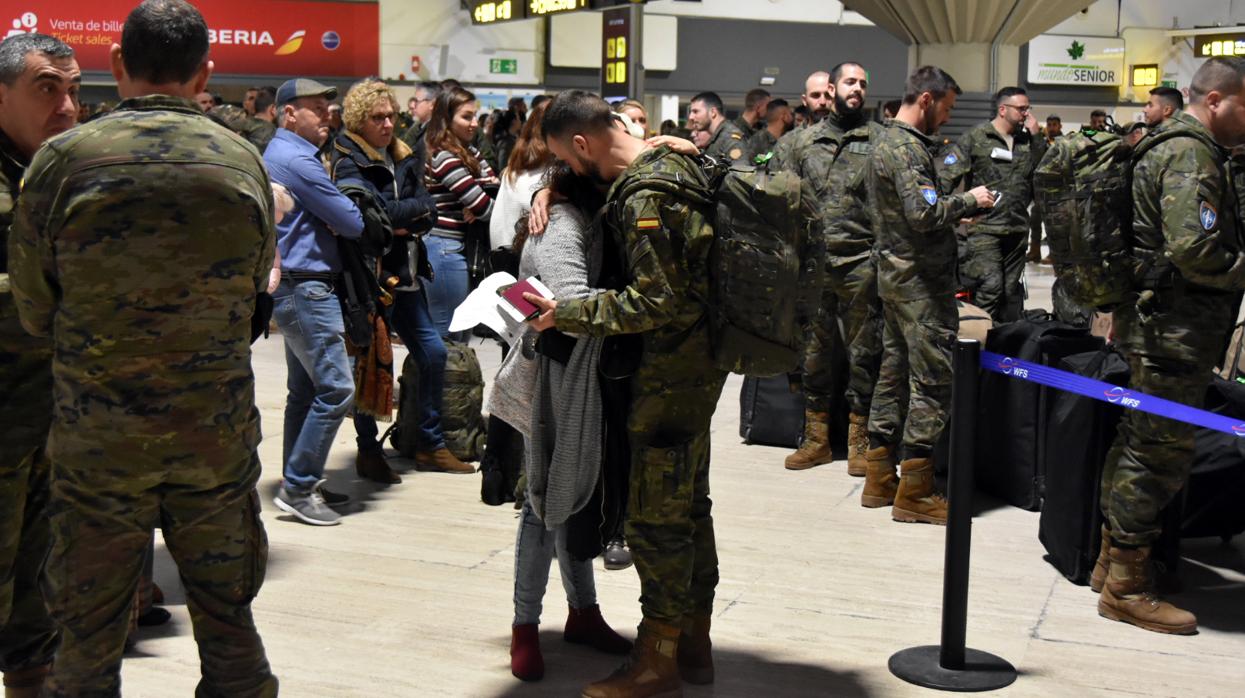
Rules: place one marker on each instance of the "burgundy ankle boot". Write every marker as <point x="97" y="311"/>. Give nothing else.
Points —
<point x="585" y="626"/>
<point x="526" y="662"/>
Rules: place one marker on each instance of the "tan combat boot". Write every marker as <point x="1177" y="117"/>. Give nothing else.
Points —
<point x="880" y="481"/>
<point x="915" y="502"/>
<point x="816" y="447"/>
<point x="857" y="444"/>
<point x="695" y="656"/>
<point x="25" y="683"/>
<point x="1128" y="595"/>
<point x="1099" y="576"/>
<point x="650" y="670"/>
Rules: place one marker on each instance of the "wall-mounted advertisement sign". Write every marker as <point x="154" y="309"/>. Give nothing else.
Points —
<point x="247" y="37"/>
<point x="1085" y="61"/>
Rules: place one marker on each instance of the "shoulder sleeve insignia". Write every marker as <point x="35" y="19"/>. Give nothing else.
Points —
<point x="951" y="159"/>
<point x="929" y="194"/>
<point x="1207" y="215"/>
<point x="735" y="153"/>
<point x="648" y="223"/>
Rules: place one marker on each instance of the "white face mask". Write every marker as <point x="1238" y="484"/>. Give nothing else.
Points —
<point x="632" y="127"/>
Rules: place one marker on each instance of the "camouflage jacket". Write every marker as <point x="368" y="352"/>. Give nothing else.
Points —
<point x="139" y="243"/>
<point x="746" y="129"/>
<point x="981" y="158"/>
<point x="759" y="144"/>
<point x="12" y="164"/>
<point x="916" y="245"/>
<point x="727" y="143"/>
<point x="258" y="132"/>
<point x="832" y="157"/>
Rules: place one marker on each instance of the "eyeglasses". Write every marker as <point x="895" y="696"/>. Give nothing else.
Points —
<point x="1025" y="109"/>
<point x="380" y="119"/>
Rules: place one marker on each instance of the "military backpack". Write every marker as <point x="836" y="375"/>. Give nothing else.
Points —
<point x="757" y="264"/>
<point x="1083" y="189"/>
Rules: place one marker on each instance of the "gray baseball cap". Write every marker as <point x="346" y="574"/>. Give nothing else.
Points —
<point x="297" y="88"/>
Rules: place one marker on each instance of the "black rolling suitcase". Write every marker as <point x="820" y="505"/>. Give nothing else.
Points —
<point x="1011" y="433"/>
<point x="1079" y="432"/>
<point x="1210" y="504"/>
<point x="771" y="412"/>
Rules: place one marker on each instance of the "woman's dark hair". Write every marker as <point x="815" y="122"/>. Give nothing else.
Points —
<point x="530" y="152"/>
<point x="441" y="137"/>
<point x="580" y="192"/>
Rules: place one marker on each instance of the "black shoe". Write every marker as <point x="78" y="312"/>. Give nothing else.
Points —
<point x="331" y="498"/>
<point x="616" y="555"/>
<point x="154" y="616"/>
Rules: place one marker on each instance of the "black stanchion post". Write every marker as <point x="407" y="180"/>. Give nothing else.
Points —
<point x="951" y="666"/>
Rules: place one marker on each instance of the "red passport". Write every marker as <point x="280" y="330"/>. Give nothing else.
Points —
<point x="514" y="296"/>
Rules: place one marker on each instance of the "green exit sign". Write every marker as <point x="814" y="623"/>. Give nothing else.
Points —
<point x="1168" y="83"/>
<point x="503" y="66"/>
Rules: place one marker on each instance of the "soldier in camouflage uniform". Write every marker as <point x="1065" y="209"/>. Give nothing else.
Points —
<point x="755" y="113"/>
<point x="726" y="141"/>
<point x="831" y="157"/>
<point x="1187" y="240"/>
<point x="138" y="247"/>
<point x="39" y="81"/>
<point x="916" y="258"/>
<point x="675" y="387"/>
<point x="1001" y="155"/>
<point x="779" y="122"/>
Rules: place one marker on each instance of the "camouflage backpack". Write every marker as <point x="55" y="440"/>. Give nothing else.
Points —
<point x="757" y="266"/>
<point x="462" y="400"/>
<point x="1083" y="189"/>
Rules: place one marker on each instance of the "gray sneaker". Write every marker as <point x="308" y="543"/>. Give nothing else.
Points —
<point x="308" y="508"/>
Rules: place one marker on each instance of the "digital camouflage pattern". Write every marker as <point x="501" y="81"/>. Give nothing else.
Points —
<point x="916" y="253"/>
<point x="1185" y="215"/>
<point x="258" y="132"/>
<point x="832" y="157"/>
<point x="461" y="402"/>
<point x="759" y="145"/>
<point x="27" y="634"/>
<point x="728" y="144"/>
<point x="140" y="241"/>
<point x="675" y="388"/>
<point x="997" y="242"/>
<point x="746" y="129"/>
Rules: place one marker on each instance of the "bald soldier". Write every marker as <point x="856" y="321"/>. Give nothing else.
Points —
<point x="140" y="242"/>
<point x="39" y="82"/>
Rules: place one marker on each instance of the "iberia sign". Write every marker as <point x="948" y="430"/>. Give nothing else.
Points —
<point x="282" y="38"/>
<point x="1087" y="61"/>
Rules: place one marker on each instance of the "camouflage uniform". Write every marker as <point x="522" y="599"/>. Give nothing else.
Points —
<point x="27" y="635"/>
<point x="759" y="144"/>
<point x="1185" y="222"/>
<point x="258" y="132"/>
<point x="727" y="143"/>
<point x="832" y="157"/>
<point x="916" y="257"/>
<point x="674" y="390"/>
<point x="746" y="129"/>
<point x="138" y="246"/>
<point x="997" y="244"/>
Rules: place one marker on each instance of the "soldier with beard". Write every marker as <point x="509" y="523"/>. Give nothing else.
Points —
<point x="831" y="157"/>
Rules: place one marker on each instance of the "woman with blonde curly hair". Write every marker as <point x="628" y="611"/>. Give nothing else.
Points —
<point x="367" y="152"/>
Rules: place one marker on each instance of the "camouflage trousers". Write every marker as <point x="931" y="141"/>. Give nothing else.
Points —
<point x="1149" y="461"/>
<point x="27" y="635"/>
<point x="102" y="517"/>
<point x="669" y="521"/>
<point x="850" y="313"/>
<point x="913" y="395"/>
<point x="993" y="266"/>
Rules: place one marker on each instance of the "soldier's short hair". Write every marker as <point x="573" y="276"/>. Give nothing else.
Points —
<point x="1098" y="112"/>
<point x="711" y="100"/>
<point x="1222" y="74"/>
<point x="1054" y="118"/>
<point x="576" y="111"/>
<point x="164" y="41"/>
<point x="265" y="97"/>
<point x="837" y="71"/>
<point x="1169" y="96"/>
<point x="13" y="52"/>
<point x="775" y="108"/>
<point x="801" y="110"/>
<point x="1006" y="93"/>
<point x="754" y="97"/>
<point x="931" y="79"/>
<point x="892" y="106"/>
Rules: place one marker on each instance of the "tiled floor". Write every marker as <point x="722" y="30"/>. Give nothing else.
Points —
<point x="411" y="596"/>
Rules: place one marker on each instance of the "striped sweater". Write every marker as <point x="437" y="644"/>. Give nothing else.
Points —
<point x="455" y="189"/>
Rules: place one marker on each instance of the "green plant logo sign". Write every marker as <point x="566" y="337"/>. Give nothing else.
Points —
<point x="1085" y="61"/>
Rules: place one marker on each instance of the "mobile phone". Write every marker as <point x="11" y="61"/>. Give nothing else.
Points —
<point x="998" y="196"/>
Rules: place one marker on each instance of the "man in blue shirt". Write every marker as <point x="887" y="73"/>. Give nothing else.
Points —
<point x="320" y="382"/>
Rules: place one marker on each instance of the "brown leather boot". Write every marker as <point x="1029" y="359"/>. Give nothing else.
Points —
<point x="1099" y="576"/>
<point x="880" y="481"/>
<point x="25" y="683"/>
<point x="695" y="655"/>
<point x="857" y="444"/>
<point x="650" y="670"/>
<point x="442" y="461"/>
<point x="371" y="465"/>
<point x="815" y="450"/>
<point x="915" y="502"/>
<point x="1129" y="597"/>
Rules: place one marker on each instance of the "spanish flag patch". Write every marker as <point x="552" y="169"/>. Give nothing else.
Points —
<point x="648" y="223"/>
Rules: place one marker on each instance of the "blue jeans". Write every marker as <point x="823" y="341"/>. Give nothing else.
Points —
<point x="451" y="285"/>
<point x="414" y="325"/>
<point x="534" y="548"/>
<point x="318" y="377"/>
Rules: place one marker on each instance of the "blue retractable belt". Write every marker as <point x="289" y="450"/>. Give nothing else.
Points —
<point x="1114" y="394"/>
